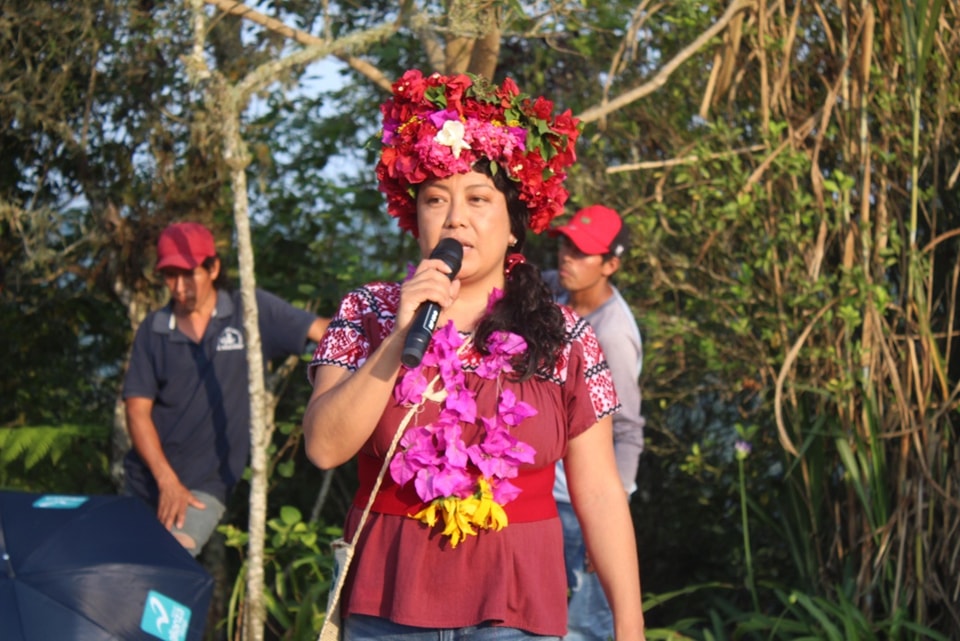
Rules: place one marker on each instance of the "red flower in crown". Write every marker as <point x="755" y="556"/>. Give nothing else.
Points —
<point x="437" y="126"/>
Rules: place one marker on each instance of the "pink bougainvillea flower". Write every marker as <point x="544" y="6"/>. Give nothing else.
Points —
<point x="504" y="491"/>
<point x="507" y="343"/>
<point x="495" y="295"/>
<point x="511" y="411"/>
<point x="463" y="403"/>
<point x="432" y="483"/>
<point x="520" y="452"/>
<point x="489" y="368"/>
<point x="490" y="464"/>
<point x="465" y="486"/>
<point x="410" y="389"/>
<point x="454" y="450"/>
<point x="501" y="443"/>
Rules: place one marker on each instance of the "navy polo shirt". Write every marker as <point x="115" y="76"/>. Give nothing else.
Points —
<point x="200" y="391"/>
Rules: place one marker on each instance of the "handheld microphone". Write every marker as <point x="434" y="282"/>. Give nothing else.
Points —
<point x="450" y="251"/>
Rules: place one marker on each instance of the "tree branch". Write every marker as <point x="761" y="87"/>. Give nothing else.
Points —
<point x="683" y="160"/>
<point x="318" y="47"/>
<point x="268" y="72"/>
<point x="660" y="79"/>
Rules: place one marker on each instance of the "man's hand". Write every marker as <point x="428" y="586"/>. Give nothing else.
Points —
<point x="173" y="502"/>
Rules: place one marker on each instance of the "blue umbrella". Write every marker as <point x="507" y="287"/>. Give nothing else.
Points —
<point x="95" y="568"/>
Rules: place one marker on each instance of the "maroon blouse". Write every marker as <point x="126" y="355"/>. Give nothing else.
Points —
<point x="405" y="571"/>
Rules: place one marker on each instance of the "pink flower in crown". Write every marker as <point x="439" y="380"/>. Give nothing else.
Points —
<point x="439" y="118"/>
<point x="499" y="124"/>
<point x="440" y="158"/>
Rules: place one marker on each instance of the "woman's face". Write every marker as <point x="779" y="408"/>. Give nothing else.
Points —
<point x="469" y="208"/>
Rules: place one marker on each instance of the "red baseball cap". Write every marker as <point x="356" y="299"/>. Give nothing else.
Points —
<point x="184" y="246"/>
<point x="592" y="229"/>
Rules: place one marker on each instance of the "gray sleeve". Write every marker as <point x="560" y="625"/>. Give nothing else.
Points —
<point x="623" y="350"/>
<point x="628" y="422"/>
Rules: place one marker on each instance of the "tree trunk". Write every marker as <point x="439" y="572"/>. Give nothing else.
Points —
<point x="238" y="159"/>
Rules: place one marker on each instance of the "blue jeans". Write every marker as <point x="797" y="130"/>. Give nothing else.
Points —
<point x="589" y="617"/>
<point x="358" y="627"/>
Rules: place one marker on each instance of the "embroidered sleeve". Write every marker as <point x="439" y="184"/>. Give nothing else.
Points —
<point x="586" y="376"/>
<point x="365" y="316"/>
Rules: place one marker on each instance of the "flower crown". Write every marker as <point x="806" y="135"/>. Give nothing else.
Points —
<point x="438" y="126"/>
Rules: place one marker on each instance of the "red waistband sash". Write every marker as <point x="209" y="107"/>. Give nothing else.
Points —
<point x="535" y="502"/>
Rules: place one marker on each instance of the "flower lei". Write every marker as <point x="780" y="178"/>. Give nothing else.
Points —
<point x="465" y="486"/>
<point x="437" y="126"/>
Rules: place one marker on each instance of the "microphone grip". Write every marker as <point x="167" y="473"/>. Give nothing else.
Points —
<point x="424" y="323"/>
<point x="450" y="251"/>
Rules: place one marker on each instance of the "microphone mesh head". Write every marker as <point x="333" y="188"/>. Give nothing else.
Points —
<point x="450" y="251"/>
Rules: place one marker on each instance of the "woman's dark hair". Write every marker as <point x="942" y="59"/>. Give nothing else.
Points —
<point x="222" y="281"/>
<point x="527" y="307"/>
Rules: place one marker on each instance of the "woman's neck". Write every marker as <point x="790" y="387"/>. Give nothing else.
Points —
<point x="469" y="308"/>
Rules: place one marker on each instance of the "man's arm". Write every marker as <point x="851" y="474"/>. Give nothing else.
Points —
<point x="174" y="496"/>
<point x="286" y="329"/>
<point x="317" y="329"/>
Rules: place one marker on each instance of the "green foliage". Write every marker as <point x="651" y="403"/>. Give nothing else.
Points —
<point x="801" y="616"/>
<point x="298" y="571"/>
<point x="63" y="356"/>
<point x="65" y="458"/>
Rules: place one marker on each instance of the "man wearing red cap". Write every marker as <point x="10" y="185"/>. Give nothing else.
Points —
<point x="591" y="246"/>
<point x="186" y="390"/>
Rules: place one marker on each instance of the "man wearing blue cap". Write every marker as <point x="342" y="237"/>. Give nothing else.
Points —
<point x="591" y="246"/>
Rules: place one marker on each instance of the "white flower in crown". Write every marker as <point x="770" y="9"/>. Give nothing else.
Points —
<point x="452" y="136"/>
